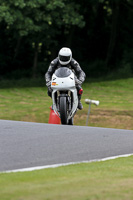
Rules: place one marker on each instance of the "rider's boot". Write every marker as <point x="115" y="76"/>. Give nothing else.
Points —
<point x="80" y="106"/>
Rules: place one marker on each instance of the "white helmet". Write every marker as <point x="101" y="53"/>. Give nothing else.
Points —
<point x="65" y="56"/>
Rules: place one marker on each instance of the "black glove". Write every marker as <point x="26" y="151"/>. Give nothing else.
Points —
<point x="77" y="81"/>
<point x="50" y="89"/>
<point x="48" y="83"/>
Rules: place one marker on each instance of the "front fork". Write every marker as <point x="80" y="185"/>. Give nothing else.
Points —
<point x="68" y="98"/>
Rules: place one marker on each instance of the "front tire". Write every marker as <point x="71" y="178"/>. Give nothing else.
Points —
<point x="70" y="121"/>
<point x="63" y="110"/>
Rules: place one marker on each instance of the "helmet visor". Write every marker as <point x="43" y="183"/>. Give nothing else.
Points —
<point x="64" y="58"/>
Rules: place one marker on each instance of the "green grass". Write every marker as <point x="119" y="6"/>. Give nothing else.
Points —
<point x="19" y="101"/>
<point x="24" y="104"/>
<point x="108" y="180"/>
<point x="93" y="181"/>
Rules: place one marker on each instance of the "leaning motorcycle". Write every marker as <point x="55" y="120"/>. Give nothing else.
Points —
<point x="64" y="95"/>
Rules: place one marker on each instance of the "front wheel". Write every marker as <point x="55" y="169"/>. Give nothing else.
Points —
<point x="63" y="110"/>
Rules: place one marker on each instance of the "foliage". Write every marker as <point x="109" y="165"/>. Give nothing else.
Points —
<point x="33" y="31"/>
<point x="29" y="16"/>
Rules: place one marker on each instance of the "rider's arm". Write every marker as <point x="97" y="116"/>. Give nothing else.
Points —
<point x="79" y="72"/>
<point x="51" y="70"/>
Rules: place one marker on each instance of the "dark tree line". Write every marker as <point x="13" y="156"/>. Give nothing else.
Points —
<point x="99" y="32"/>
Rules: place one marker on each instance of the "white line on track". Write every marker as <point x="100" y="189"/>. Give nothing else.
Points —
<point x="65" y="164"/>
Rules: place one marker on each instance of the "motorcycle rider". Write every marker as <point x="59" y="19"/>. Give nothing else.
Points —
<point x="65" y="59"/>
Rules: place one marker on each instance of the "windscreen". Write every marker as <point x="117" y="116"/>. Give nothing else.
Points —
<point x="63" y="72"/>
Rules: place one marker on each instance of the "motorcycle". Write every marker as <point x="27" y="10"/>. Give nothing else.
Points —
<point x="64" y="95"/>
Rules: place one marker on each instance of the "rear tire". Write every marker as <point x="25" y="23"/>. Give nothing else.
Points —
<point x="63" y="110"/>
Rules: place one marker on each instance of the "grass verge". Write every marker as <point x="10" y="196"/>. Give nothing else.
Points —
<point x="111" y="179"/>
<point x="25" y="103"/>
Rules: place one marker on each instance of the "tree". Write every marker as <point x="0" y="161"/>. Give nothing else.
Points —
<point x="98" y="31"/>
<point x="40" y="21"/>
<point x="114" y="30"/>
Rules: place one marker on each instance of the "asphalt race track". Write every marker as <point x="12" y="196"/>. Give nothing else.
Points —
<point x="26" y="144"/>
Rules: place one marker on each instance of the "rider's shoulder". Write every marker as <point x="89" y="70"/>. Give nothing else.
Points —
<point x="74" y="62"/>
<point x="55" y="61"/>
